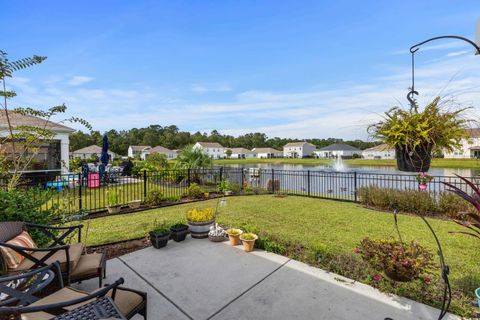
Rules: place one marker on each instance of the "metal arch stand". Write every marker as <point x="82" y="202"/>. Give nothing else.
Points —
<point x="445" y="270"/>
<point x="415" y="48"/>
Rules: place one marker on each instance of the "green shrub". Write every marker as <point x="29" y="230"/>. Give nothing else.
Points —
<point x="154" y="197"/>
<point x="174" y="198"/>
<point x="200" y="215"/>
<point x="26" y="205"/>
<point x="235" y="188"/>
<point x="411" y="201"/>
<point x="113" y="197"/>
<point x="194" y="191"/>
<point x="451" y="205"/>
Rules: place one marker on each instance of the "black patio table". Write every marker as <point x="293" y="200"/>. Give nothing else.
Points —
<point x="102" y="308"/>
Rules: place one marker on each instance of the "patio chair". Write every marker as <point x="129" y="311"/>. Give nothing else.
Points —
<point x="17" y="256"/>
<point x="21" y="295"/>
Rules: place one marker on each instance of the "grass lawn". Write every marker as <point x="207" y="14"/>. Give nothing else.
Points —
<point x="314" y="223"/>
<point x="440" y="163"/>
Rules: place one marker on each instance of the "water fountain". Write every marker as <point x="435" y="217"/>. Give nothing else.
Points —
<point x="338" y="164"/>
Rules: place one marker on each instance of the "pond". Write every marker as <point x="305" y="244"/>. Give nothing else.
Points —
<point x="465" y="172"/>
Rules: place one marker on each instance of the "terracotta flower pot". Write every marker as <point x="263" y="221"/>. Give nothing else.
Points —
<point x="234" y="239"/>
<point x="248" y="245"/>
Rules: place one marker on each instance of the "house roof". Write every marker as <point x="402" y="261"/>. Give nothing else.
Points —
<point x="139" y="148"/>
<point x="297" y="144"/>
<point x="380" y="147"/>
<point x="210" y="144"/>
<point x="265" y="150"/>
<point x="91" y="149"/>
<point x="18" y="119"/>
<point x="160" y="149"/>
<point x="241" y="150"/>
<point x="474" y="133"/>
<point x="339" y="147"/>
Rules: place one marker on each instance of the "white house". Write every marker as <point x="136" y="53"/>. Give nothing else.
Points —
<point x="52" y="156"/>
<point x="241" y="153"/>
<point x="169" y="154"/>
<point x="338" y="150"/>
<point x="138" y="151"/>
<point x="213" y="149"/>
<point x="382" y="151"/>
<point x="90" y="151"/>
<point x="298" y="149"/>
<point x="469" y="147"/>
<point x="267" y="153"/>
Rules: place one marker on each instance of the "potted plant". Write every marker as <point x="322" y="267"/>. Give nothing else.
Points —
<point x="199" y="222"/>
<point x="224" y="187"/>
<point x="113" y="201"/>
<point x="423" y="178"/>
<point x="248" y="240"/>
<point x="179" y="232"/>
<point x="159" y="235"/>
<point x="234" y="236"/>
<point x="416" y="134"/>
<point x="399" y="261"/>
<point x="134" y="204"/>
<point x="216" y="233"/>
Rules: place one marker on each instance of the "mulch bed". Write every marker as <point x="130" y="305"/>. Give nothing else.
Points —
<point x="113" y="250"/>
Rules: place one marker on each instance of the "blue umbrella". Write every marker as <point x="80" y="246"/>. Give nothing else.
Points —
<point x="104" y="156"/>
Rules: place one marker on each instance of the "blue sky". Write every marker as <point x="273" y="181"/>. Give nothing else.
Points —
<point x="288" y="68"/>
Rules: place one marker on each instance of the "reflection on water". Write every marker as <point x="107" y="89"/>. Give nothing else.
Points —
<point x="466" y="172"/>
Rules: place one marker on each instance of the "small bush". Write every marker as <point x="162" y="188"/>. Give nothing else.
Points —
<point x="154" y="197"/>
<point x="26" y="205"/>
<point x="194" y="191"/>
<point x="174" y="198"/>
<point x="235" y="188"/>
<point x="451" y="205"/>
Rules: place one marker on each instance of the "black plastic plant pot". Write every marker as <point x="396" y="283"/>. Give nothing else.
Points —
<point x="159" y="240"/>
<point x="417" y="160"/>
<point x="179" y="232"/>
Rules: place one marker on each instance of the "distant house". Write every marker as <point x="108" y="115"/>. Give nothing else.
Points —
<point x="241" y="153"/>
<point x="267" y="153"/>
<point x="139" y="151"/>
<point x="382" y="151"/>
<point x="469" y="147"/>
<point x="52" y="155"/>
<point x="90" y="151"/>
<point x="338" y="150"/>
<point x="298" y="149"/>
<point x="213" y="149"/>
<point x="169" y="154"/>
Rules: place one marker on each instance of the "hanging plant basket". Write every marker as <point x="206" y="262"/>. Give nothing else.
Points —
<point x="417" y="160"/>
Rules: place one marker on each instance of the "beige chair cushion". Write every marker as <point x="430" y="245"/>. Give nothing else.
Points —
<point x="87" y="266"/>
<point x="75" y="252"/>
<point x="126" y="301"/>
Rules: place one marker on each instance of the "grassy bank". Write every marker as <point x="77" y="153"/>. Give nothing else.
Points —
<point x="439" y="163"/>
<point x="310" y="224"/>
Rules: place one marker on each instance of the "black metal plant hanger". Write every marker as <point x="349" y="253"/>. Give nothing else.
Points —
<point x="415" y="48"/>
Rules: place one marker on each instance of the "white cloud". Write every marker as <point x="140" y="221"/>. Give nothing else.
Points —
<point x="79" y="80"/>
<point x="340" y="111"/>
<point x="201" y="88"/>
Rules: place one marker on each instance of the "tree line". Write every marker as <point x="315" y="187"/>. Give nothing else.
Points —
<point x="172" y="138"/>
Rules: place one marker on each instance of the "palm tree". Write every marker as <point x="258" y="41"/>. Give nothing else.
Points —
<point x="193" y="159"/>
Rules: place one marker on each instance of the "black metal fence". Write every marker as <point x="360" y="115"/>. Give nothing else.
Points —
<point x="89" y="193"/>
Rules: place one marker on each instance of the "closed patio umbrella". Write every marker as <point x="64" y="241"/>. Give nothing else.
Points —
<point x="103" y="158"/>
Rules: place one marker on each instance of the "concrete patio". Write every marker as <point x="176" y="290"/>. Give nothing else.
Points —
<point x="199" y="279"/>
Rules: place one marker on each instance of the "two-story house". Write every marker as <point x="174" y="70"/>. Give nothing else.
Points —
<point x="139" y="151"/>
<point x="298" y="149"/>
<point x="469" y="147"/>
<point x="213" y="149"/>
